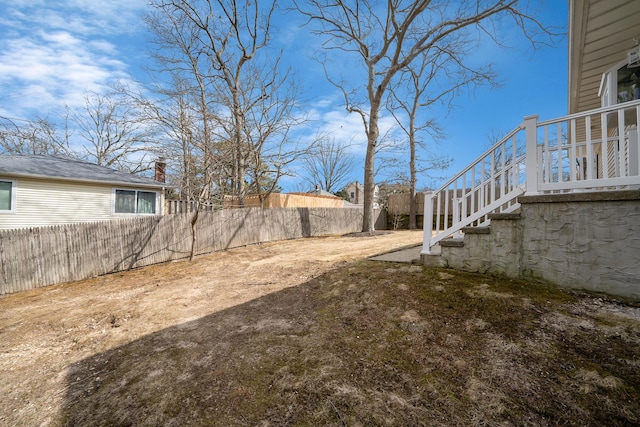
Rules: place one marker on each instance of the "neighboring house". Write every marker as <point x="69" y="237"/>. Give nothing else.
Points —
<point x="355" y="190"/>
<point x="49" y="190"/>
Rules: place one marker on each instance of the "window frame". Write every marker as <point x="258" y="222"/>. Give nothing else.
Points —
<point x="13" y="197"/>
<point x="136" y="191"/>
<point x="609" y="85"/>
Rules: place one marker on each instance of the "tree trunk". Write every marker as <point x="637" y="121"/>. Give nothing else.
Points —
<point x="194" y="222"/>
<point x="412" y="181"/>
<point x="413" y="224"/>
<point x="238" y="121"/>
<point x="369" y="221"/>
<point x="240" y="172"/>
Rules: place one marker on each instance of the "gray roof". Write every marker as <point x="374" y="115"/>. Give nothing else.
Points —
<point x="69" y="169"/>
<point x="322" y="193"/>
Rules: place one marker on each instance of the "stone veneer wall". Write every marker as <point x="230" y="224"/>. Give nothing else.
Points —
<point x="585" y="241"/>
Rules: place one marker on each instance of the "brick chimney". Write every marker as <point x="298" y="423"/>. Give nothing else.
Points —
<point x="161" y="167"/>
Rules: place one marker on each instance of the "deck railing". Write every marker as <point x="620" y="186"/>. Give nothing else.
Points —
<point x="592" y="151"/>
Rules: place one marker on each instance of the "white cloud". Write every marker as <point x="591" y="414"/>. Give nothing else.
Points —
<point x="81" y="16"/>
<point x="330" y="119"/>
<point x="344" y="127"/>
<point x="55" y="51"/>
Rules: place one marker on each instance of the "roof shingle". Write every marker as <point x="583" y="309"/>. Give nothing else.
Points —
<point x="68" y="169"/>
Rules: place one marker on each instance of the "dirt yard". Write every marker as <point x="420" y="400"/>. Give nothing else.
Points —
<point x="307" y="332"/>
<point x="44" y="332"/>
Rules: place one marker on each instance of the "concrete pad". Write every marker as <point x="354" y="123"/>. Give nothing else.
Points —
<point x="407" y="255"/>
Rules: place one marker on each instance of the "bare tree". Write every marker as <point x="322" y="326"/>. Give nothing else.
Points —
<point x="183" y="124"/>
<point x="267" y="127"/>
<point x="328" y="164"/>
<point x="32" y="137"/>
<point x="183" y="139"/>
<point x="184" y="108"/>
<point x="115" y="133"/>
<point x="418" y="89"/>
<point x="386" y="39"/>
<point x="234" y="106"/>
<point x="246" y="102"/>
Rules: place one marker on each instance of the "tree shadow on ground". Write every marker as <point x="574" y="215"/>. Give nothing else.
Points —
<point x="205" y="372"/>
<point x="371" y="344"/>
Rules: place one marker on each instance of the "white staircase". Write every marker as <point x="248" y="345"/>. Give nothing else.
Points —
<point x="596" y="150"/>
<point x="491" y="184"/>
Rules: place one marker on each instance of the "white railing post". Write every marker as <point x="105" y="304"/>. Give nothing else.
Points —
<point x="457" y="216"/>
<point x="531" y="164"/>
<point x="427" y="222"/>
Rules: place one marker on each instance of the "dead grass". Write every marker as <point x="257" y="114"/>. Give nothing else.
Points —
<point x="377" y="344"/>
<point x="307" y="333"/>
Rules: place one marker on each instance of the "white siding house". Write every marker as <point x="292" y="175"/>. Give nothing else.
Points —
<point x="46" y="190"/>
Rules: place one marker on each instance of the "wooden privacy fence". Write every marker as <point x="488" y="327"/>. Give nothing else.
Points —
<point x="399" y="204"/>
<point x="273" y="200"/>
<point x="398" y="209"/>
<point x="186" y="206"/>
<point x="37" y="257"/>
<point x="288" y="200"/>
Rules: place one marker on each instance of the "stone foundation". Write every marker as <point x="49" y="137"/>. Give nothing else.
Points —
<point x="587" y="241"/>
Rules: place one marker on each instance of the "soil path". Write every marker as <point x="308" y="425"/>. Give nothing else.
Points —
<point x="43" y="332"/>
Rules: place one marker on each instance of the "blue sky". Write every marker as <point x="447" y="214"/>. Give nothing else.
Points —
<point x="56" y="50"/>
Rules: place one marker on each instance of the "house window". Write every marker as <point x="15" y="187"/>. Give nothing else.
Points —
<point x="628" y="83"/>
<point x="7" y="196"/>
<point x="620" y="83"/>
<point x="135" y="202"/>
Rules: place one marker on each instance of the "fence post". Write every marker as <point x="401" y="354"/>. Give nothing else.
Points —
<point x="531" y="164"/>
<point x="427" y="222"/>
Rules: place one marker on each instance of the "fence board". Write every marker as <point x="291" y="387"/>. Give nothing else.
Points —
<point x="37" y="257"/>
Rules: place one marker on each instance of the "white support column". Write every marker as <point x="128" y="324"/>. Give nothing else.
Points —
<point x="531" y="174"/>
<point x="427" y="223"/>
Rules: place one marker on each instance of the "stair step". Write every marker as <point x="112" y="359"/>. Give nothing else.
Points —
<point x="452" y="243"/>
<point x="432" y="261"/>
<point x="476" y="230"/>
<point x="504" y="216"/>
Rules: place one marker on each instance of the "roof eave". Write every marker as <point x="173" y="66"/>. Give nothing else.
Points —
<point x="577" y="28"/>
<point x="87" y="181"/>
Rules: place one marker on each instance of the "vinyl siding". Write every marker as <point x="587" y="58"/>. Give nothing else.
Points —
<point x="42" y="203"/>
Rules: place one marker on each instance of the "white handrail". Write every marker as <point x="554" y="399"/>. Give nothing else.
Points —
<point x="609" y="109"/>
<point x="489" y="184"/>
<point x="486" y="153"/>
<point x="594" y="150"/>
